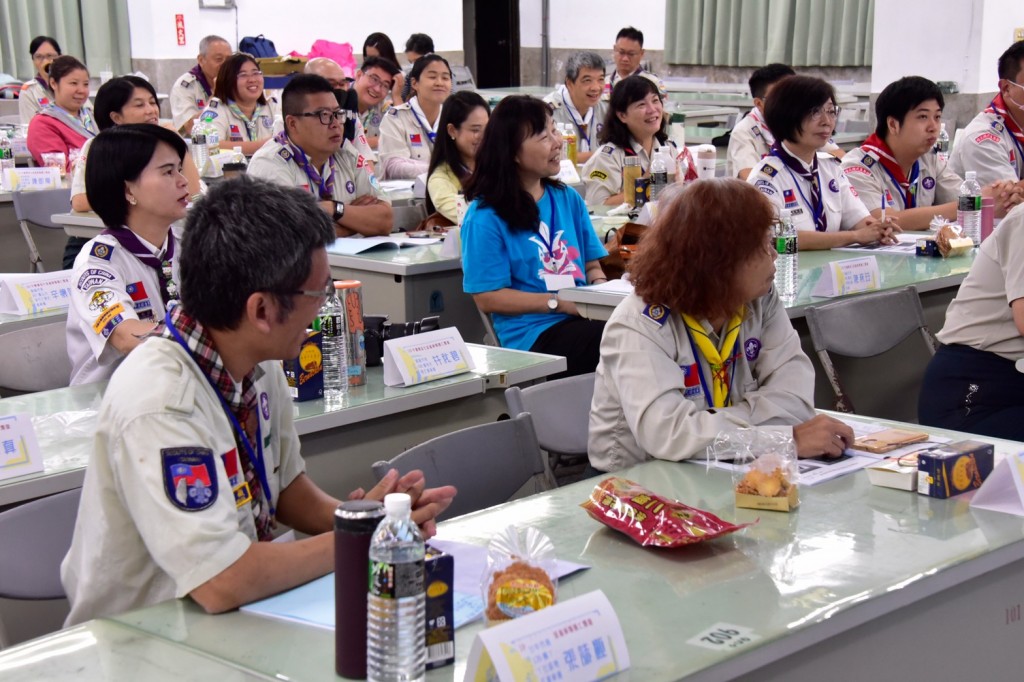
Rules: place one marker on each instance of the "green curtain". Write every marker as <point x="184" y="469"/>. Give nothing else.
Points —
<point x="757" y="32"/>
<point x="95" y="31"/>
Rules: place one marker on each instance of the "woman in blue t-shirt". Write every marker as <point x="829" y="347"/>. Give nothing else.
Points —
<point x="526" y="236"/>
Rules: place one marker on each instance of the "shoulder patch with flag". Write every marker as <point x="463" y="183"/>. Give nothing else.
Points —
<point x="190" y="477"/>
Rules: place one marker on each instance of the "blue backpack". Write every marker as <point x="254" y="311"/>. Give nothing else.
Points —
<point x="258" y="47"/>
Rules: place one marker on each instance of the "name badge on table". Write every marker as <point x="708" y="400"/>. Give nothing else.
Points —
<point x="30" y="179"/>
<point x="416" y="359"/>
<point x="578" y="640"/>
<point x="24" y="294"/>
<point x="557" y="282"/>
<point x="19" y="450"/>
<point x="849" y="276"/>
<point x="1003" y="490"/>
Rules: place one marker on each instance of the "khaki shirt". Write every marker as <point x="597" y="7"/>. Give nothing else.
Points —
<point x="648" y="400"/>
<point x="142" y="536"/>
<point x="988" y="148"/>
<point x="936" y="183"/>
<point x="603" y="171"/>
<point x="403" y="138"/>
<point x="232" y="128"/>
<point x="980" y="316"/>
<point x="372" y="119"/>
<point x="31" y="99"/>
<point x="188" y="98"/>
<point x="750" y="141"/>
<point x="564" y="112"/>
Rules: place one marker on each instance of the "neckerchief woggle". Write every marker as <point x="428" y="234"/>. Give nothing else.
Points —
<point x="796" y="168"/>
<point x="241" y="437"/>
<point x="201" y="77"/>
<point x="907" y="187"/>
<point x="250" y="123"/>
<point x="131" y="243"/>
<point x="325" y="187"/>
<point x="998" y="107"/>
<point x="701" y="344"/>
<point x="414" y="104"/>
<point x="81" y="124"/>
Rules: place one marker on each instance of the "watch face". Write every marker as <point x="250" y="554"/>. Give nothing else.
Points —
<point x="552" y="303"/>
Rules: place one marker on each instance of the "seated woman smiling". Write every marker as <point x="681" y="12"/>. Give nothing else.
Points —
<point x="703" y="343"/>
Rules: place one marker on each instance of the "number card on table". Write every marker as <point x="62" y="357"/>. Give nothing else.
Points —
<point x="19" y="451"/>
<point x="1003" y="490"/>
<point x="29" y="179"/>
<point x="25" y="294"/>
<point x="578" y="640"/>
<point x="849" y="276"/>
<point x="419" y="358"/>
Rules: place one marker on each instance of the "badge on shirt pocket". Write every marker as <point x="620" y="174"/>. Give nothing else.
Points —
<point x="190" y="477"/>
<point x="239" y="486"/>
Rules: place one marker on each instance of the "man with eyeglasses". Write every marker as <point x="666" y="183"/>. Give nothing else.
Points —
<point x="628" y="52"/>
<point x="992" y="145"/>
<point x="196" y="465"/>
<point x="312" y="153"/>
<point x="192" y="91"/>
<point x="373" y="84"/>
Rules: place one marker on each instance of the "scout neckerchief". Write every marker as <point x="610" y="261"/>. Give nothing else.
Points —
<point x="761" y="127"/>
<point x="367" y="118"/>
<point x="250" y="124"/>
<point x="998" y="107"/>
<point x="239" y="407"/>
<point x="583" y="124"/>
<point x="131" y="243"/>
<point x="46" y="86"/>
<point x="717" y="362"/>
<point x="81" y="124"/>
<point x="906" y="187"/>
<point x="796" y="169"/>
<point x="417" y="112"/>
<point x="615" y="75"/>
<point x="324" y="187"/>
<point x="201" y="77"/>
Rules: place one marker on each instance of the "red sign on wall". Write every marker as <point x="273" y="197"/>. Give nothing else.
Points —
<point x="179" y="25"/>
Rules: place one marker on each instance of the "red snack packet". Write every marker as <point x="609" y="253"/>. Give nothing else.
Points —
<point x="650" y="519"/>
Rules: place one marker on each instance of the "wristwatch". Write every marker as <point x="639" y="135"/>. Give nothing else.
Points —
<point x="339" y="211"/>
<point x="553" y="302"/>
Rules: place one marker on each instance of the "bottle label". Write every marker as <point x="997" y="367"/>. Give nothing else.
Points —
<point x="969" y="203"/>
<point x="786" y="246"/>
<point x="396" y="581"/>
<point x="330" y="325"/>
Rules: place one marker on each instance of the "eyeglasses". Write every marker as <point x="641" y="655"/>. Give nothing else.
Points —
<point x="378" y="84"/>
<point x="44" y="57"/>
<point x="818" y="113"/>
<point x="326" y="117"/>
<point x="246" y="75"/>
<point x="311" y="293"/>
<point x="627" y="53"/>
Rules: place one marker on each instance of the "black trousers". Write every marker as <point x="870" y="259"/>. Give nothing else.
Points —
<point x="975" y="391"/>
<point x="71" y="250"/>
<point x="578" y="340"/>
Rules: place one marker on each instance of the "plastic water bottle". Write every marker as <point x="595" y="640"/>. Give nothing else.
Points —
<point x="332" y="329"/>
<point x="942" y="145"/>
<point x="396" y="601"/>
<point x="787" y="263"/>
<point x="6" y="157"/>
<point x="968" y="209"/>
<point x="200" y="146"/>
<point x="659" y="173"/>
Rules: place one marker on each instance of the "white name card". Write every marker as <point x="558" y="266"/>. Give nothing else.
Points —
<point x="848" y="276"/>
<point x="31" y="179"/>
<point x="19" y="145"/>
<point x="1003" y="490"/>
<point x="452" y="247"/>
<point x="419" y="358"/>
<point x="19" y="451"/>
<point x="25" y="294"/>
<point x="578" y="640"/>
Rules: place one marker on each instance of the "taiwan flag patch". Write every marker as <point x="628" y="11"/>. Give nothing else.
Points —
<point x="789" y="197"/>
<point x="235" y="133"/>
<point x="691" y="381"/>
<point x="190" y="477"/>
<point x="416" y="140"/>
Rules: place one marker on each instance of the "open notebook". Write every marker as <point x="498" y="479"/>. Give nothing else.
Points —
<point x="350" y="247"/>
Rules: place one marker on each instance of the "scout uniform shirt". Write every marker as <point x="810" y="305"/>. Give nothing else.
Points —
<point x="349" y="172"/>
<point x="34" y="95"/>
<point x="587" y="128"/>
<point x="989" y="147"/>
<point x="231" y="124"/>
<point x="108" y="286"/>
<point x="603" y="171"/>
<point x="159" y="515"/>
<point x="612" y="78"/>
<point x="933" y="182"/>
<point x="750" y="141"/>
<point x="649" y="401"/>
<point x="405" y="133"/>
<point x="372" y="119"/>
<point x="839" y="200"/>
<point x="189" y="96"/>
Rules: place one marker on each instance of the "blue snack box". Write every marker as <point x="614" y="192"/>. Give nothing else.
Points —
<point x="439" y="582"/>
<point x="954" y="468"/>
<point x="305" y="373"/>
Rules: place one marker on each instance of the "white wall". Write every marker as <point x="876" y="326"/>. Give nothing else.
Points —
<point x="957" y="40"/>
<point x="592" y="24"/>
<point x="304" y="21"/>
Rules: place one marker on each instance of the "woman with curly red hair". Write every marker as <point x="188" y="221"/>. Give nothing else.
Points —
<point x="703" y="343"/>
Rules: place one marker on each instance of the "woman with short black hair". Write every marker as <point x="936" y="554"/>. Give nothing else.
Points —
<point x="37" y="93"/>
<point x="240" y="110"/>
<point x="408" y="130"/>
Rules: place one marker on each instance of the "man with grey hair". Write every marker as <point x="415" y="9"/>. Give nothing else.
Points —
<point x="196" y="459"/>
<point x="192" y="92"/>
<point x="578" y="101"/>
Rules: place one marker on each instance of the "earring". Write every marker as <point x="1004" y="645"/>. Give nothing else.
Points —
<point x="132" y="200"/>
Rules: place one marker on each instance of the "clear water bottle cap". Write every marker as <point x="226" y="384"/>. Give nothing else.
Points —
<point x="971" y="175"/>
<point x="784" y="214"/>
<point x="397" y="504"/>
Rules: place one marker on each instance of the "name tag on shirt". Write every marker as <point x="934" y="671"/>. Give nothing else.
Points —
<point x="556" y="282"/>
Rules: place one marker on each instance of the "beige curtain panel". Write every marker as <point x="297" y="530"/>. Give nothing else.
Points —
<point x="758" y="32"/>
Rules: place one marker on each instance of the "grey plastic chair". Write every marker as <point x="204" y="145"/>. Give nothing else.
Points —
<point x="35" y="537"/>
<point x="488" y="463"/>
<point x="863" y="327"/>
<point x="561" y="415"/>
<point x="37" y="208"/>
<point x="35" y="358"/>
<point x="490" y="336"/>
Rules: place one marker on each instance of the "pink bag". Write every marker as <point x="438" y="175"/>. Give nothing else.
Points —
<point x="339" y="52"/>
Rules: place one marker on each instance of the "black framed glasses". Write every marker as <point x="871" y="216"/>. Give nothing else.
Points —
<point x="326" y="117"/>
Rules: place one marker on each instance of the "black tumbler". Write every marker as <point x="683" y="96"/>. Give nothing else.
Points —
<point x="354" y="523"/>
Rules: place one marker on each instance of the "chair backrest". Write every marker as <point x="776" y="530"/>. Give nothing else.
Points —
<point x="490" y="336"/>
<point x="38" y="207"/>
<point x="35" y="358"/>
<point x="487" y="463"/>
<point x="560" y="411"/>
<point x="865" y="326"/>
<point x="462" y="78"/>
<point x="35" y="537"/>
